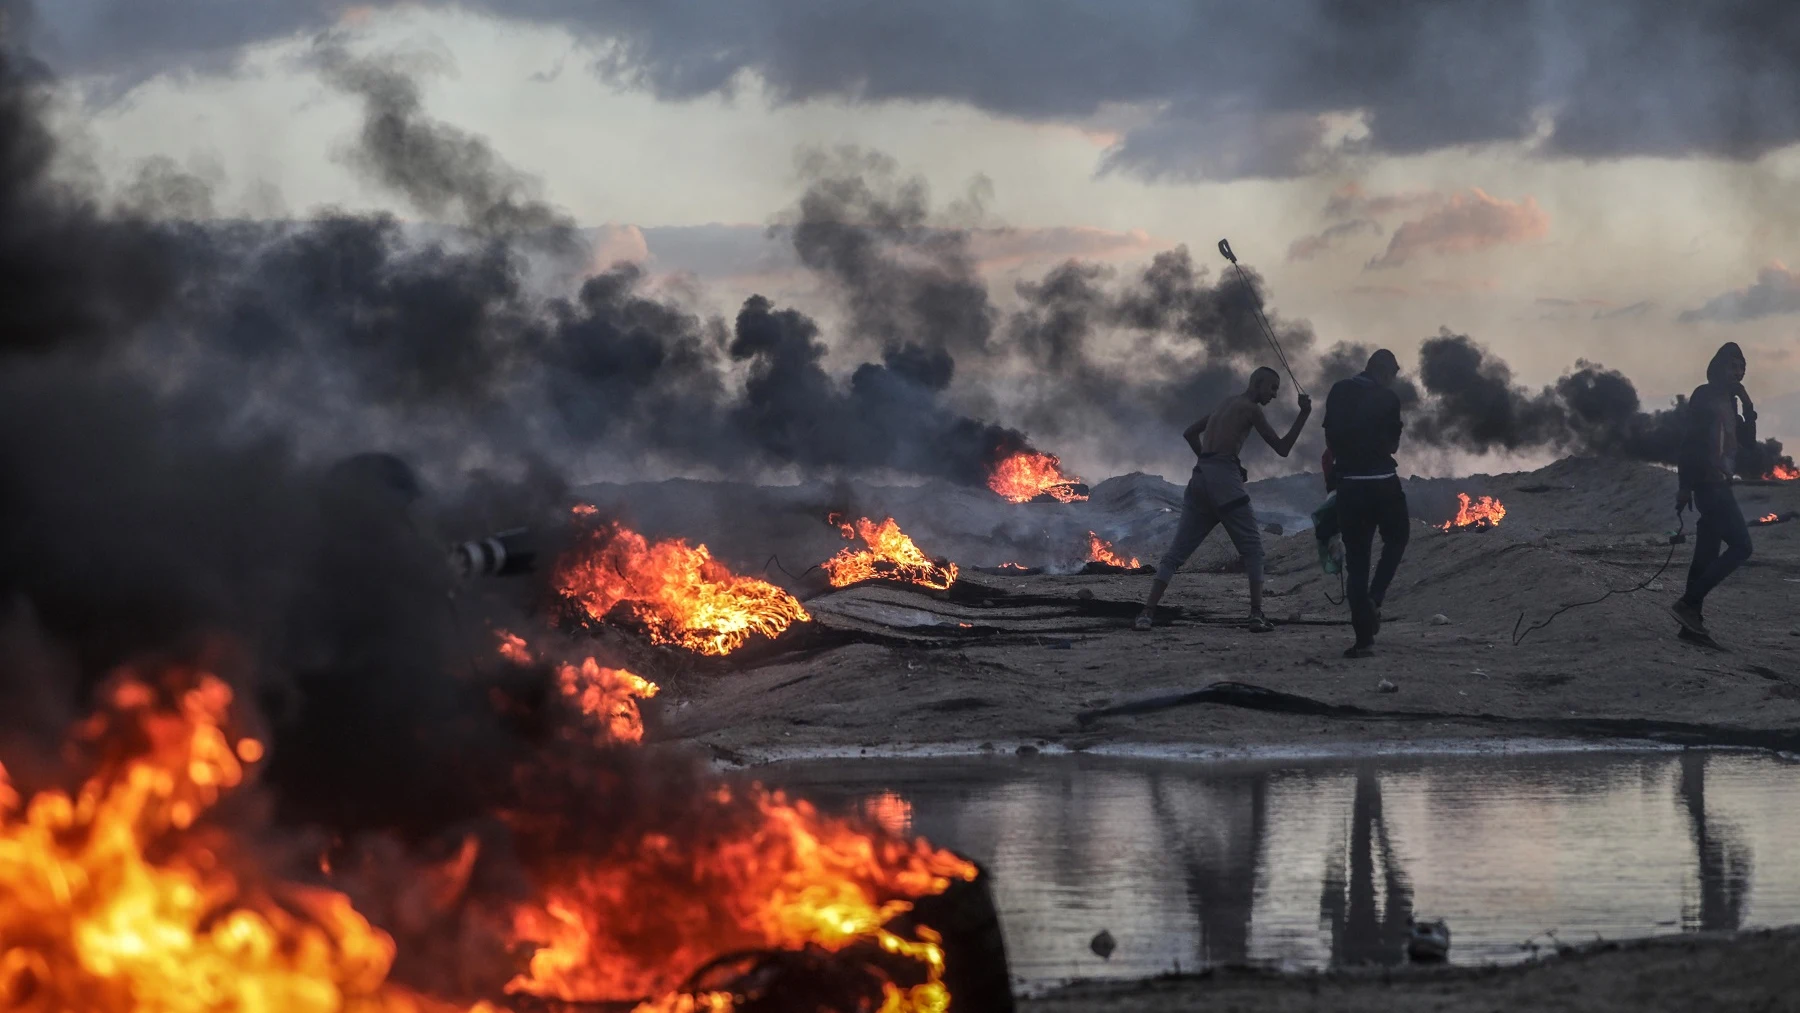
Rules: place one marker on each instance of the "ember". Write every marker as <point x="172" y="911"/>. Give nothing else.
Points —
<point x="1029" y="474"/>
<point x="890" y="555"/>
<point x="1100" y="551"/>
<point x="1769" y="519"/>
<point x="1475" y="515"/>
<point x="680" y="593"/>
<point x="92" y="922"/>
<point x="1783" y="473"/>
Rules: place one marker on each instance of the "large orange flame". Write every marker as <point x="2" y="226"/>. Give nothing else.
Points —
<point x="1101" y="551"/>
<point x="679" y="592"/>
<point x="1029" y="474"/>
<point x="1783" y="473"/>
<point x="890" y="555"/>
<point x="1482" y="513"/>
<point x="638" y="921"/>
<point x="89" y="921"/>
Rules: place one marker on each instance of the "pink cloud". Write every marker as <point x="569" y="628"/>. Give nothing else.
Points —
<point x="1465" y="223"/>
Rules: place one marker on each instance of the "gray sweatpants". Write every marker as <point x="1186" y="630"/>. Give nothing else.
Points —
<point x="1215" y="495"/>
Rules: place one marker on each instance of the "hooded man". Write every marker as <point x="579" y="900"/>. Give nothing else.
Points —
<point x="1362" y="431"/>
<point x="1712" y="432"/>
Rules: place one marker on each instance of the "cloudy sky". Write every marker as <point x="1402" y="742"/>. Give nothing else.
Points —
<point x="1609" y="180"/>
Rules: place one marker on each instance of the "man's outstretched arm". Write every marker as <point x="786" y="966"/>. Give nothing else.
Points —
<point x="1283" y="444"/>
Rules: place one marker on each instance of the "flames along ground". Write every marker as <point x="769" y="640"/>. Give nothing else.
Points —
<point x="680" y="593"/>
<point x="1101" y="551"/>
<point x="1474" y="514"/>
<point x="890" y="555"/>
<point x="1028" y="474"/>
<point x="123" y="895"/>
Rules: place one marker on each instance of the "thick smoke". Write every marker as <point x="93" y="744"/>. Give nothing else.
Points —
<point x="1476" y="406"/>
<point x="1136" y="360"/>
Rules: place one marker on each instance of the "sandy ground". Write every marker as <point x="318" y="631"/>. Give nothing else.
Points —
<point x="1023" y="680"/>
<point x="899" y="677"/>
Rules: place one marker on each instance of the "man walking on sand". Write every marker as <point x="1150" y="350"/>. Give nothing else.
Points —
<point x="1362" y="430"/>
<point x="1712" y="432"/>
<point x="1215" y="494"/>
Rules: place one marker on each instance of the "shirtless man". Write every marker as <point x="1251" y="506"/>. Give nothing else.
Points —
<point x="1215" y="494"/>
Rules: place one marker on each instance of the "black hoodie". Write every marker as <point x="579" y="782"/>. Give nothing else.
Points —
<point x="1713" y="432"/>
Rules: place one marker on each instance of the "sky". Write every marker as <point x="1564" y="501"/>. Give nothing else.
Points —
<point x="1562" y="181"/>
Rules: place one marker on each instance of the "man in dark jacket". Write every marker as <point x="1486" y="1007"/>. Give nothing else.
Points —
<point x="1362" y="430"/>
<point x="1712" y="432"/>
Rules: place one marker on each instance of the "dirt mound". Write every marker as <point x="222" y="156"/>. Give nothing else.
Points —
<point x="1020" y="655"/>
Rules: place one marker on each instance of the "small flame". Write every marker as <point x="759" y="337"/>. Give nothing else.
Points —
<point x="1783" y="473"/>
<point x="513" y="648"/>
<point x="890" y="555"/>
<point x="680" y="593"/>
<point x="1769" y="519"/>
<point x="608" y="695"/>
<point x="1101" y="551"/>
<point x="1029" y="474"/>
<point x="1482" y="513"/>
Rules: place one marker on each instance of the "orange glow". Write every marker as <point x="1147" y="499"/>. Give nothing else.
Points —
<point x="91" y="922"/>
<point x="770" y="874"/>
<point x="890" y="811"/>
<point x="1102" y="552"/>
<point x="890" y="555"/>
<point x="1783" y="473"/>
<point x="513" y="648"/>
<point x="680" y="593"/>
<point x="1485" y="512"/>
<point x="1028" y="474"/>
<point x="1768" y="519"/>
<point x="608" y="695"/>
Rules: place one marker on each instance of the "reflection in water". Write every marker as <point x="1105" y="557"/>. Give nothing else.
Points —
<point x="1361" y="933"/>
<point x="1219" y="863"/>
<point x="1314" y="863"/>
<point x="1724" y="859"/>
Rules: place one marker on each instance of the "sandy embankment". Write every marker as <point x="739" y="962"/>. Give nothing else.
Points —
<point x="927" y="684"/>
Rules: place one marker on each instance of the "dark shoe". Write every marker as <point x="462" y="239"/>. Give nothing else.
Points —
<point x="1688" y="616"/>
<point x="1360" y="651"/>
<point x="1257" y="624"/>
<point x="1143" y="622"/>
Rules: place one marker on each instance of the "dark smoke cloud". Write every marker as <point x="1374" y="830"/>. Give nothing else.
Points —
<point x="1129" y="363"/>
<point x="868" y="232"/>
<point x="141" y="522"/>
<point x="1616" y="78"/>
<point x="1474" y="405"/>
<point x="888" y="416"/>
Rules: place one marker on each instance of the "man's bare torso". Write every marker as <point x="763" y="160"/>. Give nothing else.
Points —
<point x="1230" y="425"/>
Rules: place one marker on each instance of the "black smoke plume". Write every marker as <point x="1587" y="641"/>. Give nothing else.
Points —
<point x="1476" y="406"/>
